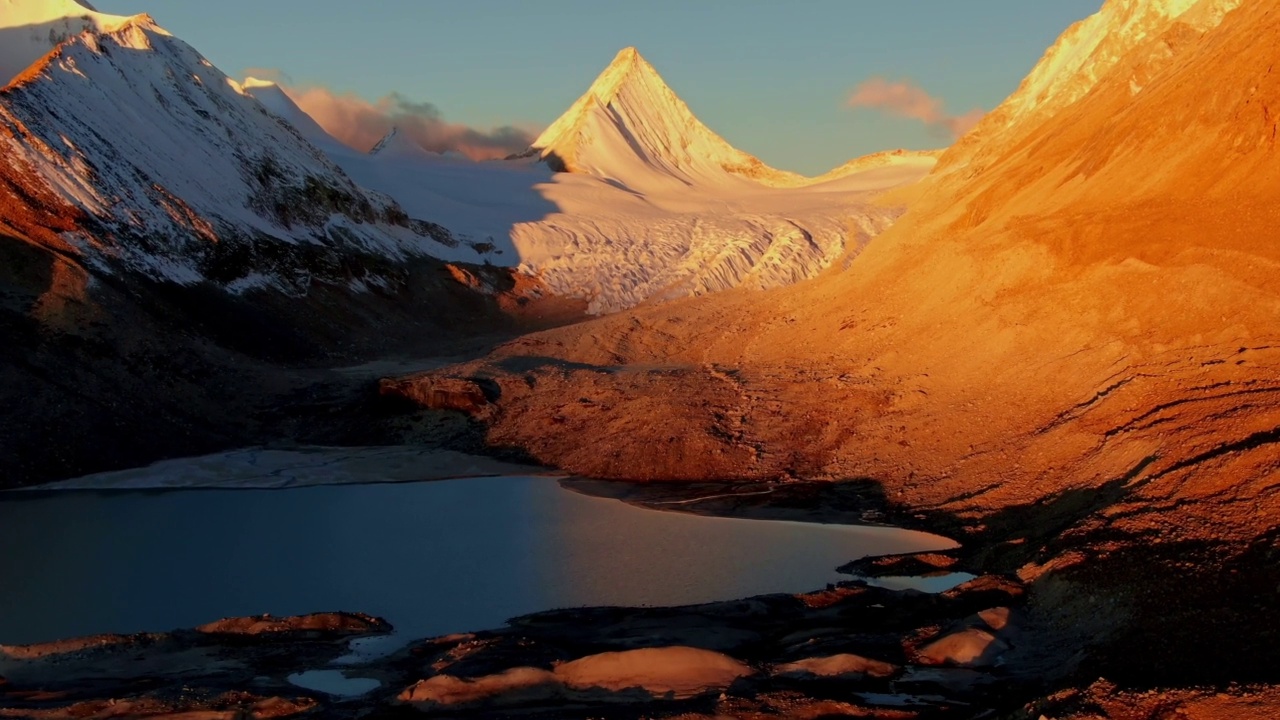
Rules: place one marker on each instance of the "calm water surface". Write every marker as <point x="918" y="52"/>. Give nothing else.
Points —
<point x="432" y="558"/>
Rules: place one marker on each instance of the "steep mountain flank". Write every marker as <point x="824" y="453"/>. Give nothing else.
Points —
<point x="655" y="206"/>
<point x="1069" y="357"/>
<point x="177" y="174"/>
<point x="175" y="256"/>
<point x="1123" y="42"/>
<point x="1113" y="242"/>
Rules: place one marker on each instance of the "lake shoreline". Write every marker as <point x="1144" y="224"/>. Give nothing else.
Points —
<point x="753" y="631"/>
<point x="286" y="467"/>
<point x="1072" y="617"/>
<point x="789" y="655"/>
<point x="489" y="548"/>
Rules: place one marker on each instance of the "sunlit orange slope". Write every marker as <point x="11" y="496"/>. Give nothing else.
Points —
<point x="1094" y="303"/>
<point x="1096" y="300"/>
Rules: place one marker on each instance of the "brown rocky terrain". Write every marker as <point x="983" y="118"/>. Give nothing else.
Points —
<point x="1067" y="355"/>
<point x="1096" y="306"/>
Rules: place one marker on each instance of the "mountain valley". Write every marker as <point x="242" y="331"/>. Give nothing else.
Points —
<point x="1054" y="341"/>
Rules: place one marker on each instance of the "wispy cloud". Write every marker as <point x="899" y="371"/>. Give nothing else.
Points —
<point x="906" y="99"/>
<point x="361" y="124"/>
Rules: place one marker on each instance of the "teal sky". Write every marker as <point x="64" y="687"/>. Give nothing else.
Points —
<point x="771" y="77"/>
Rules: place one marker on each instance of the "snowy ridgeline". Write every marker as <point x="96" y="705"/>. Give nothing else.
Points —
<point x="1084" y="55"/>
<point x="183" y="176"/>
<point x="188" y="176"/>
<point x="656" y="206"/>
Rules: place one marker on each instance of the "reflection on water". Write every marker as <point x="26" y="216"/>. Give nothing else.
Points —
<point x="334" y="682"/>
<point x="932" y="583"/>
<point x="432" y="558"/>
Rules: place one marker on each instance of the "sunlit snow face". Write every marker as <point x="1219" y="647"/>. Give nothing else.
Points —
<point x="29" y="29"/>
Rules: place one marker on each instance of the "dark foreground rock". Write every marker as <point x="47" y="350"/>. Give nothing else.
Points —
<point x="234" y="668"/>
<point x="985" y="649"/>
<point x="849" y="649"/>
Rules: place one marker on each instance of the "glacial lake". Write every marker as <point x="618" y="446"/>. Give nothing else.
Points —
<point x="432" y="558"/>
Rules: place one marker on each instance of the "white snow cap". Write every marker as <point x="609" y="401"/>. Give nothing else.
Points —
<point x="630" y="127"/>
<point x="29" y="29"/>
<point x="278" y="103"/>
<point x="254" y="83"/>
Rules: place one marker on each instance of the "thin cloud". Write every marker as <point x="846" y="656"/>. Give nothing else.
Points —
<point x="907" y="100"/>
<point x="361" y="124"/>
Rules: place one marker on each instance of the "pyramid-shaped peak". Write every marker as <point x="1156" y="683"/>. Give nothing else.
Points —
<point x="628" y="65"/>
<point x="626" y="55"/>
<point x="631" y="127"/>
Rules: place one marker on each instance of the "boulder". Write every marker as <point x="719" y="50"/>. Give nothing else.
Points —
<point x="667" y="673"/>
<point x="664" y="673"/>
<point x="995" y="618"/>
<point x="334" y="623"/>
<point x="845" y="666"/>
<point x="516" y="686"/>
<point x="972" y="647"/>
<point x="463" y="395"/>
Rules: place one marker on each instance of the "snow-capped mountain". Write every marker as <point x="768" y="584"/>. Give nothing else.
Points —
<point x="654" y="205"/>
<point x="30" y="29"/>
<point x="1083" y="56"/>
<point x="395" y="143"/>
<point x="159" y="163"/>
<point x="177" y="171"/>
<point x="274" y="99"/>
<point x="478" y="202"/>
<point x="631" y="128"/>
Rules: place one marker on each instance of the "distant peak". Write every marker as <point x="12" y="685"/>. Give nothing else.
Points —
<point x="266" y="91"/>
<point x="629" y="123"/>
<point x="399" y="144"/>
<point x="386" y="141"/>
<point x="628" y="64"/>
